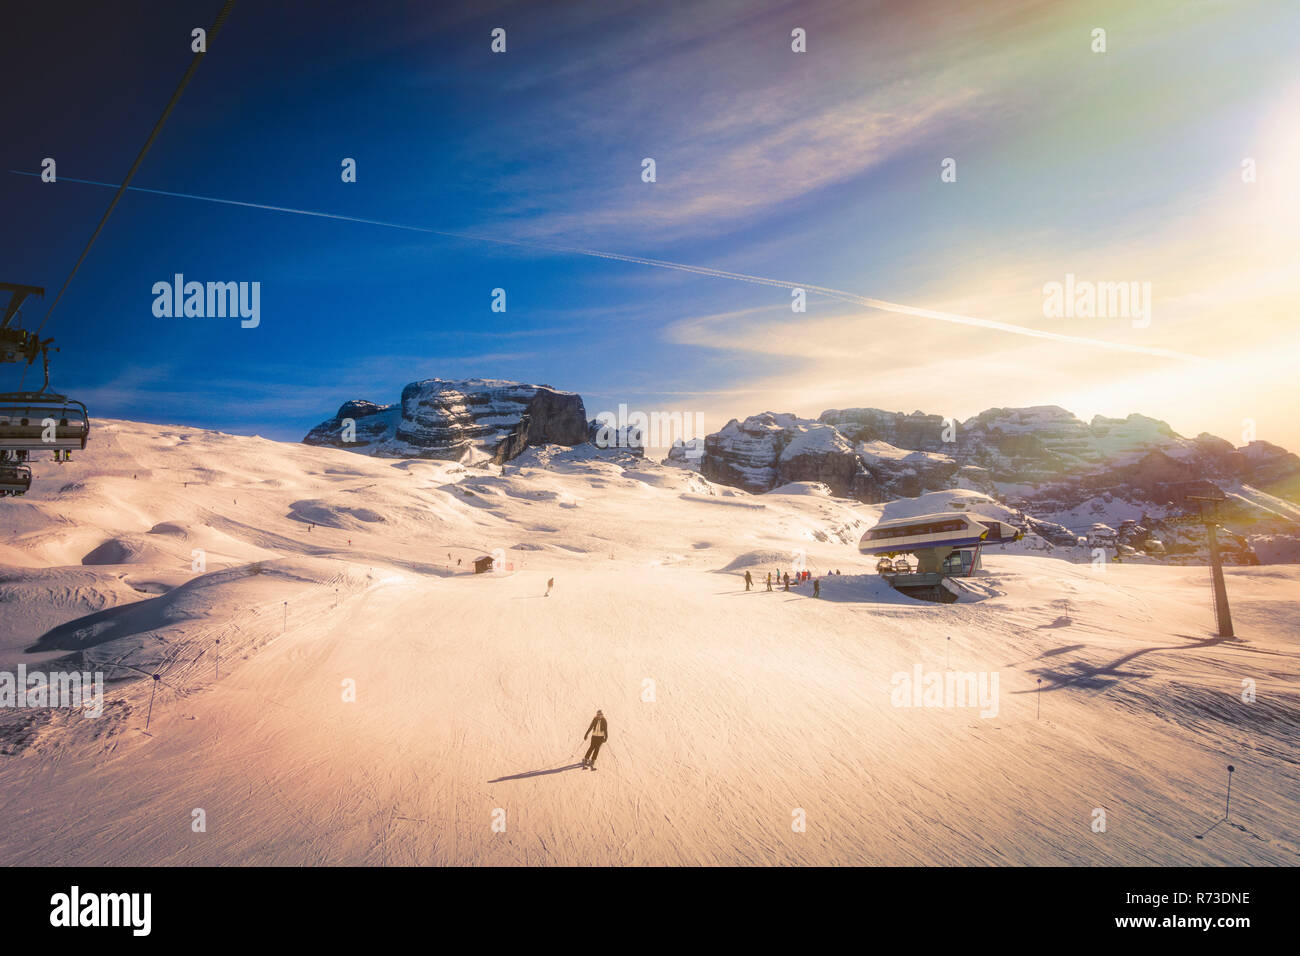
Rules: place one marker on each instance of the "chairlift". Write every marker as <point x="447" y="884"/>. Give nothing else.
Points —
<point x="32" y="422"/>
<point x="15" y="479"/>
<point x="42" y="421"/>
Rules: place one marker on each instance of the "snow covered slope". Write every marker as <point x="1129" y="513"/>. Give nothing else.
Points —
<point x="733" y="715"/>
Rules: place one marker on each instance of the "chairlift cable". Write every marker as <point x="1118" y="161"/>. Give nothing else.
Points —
<point x="171" y="104"/>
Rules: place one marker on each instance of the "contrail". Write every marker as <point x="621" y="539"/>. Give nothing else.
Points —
<point x="837" y="294"/>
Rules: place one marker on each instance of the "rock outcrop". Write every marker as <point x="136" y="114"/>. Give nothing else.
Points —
<point x="686" y="454"/>
<point x="915" y="432"/>
<point x="469" y="421"/>
<point x="768" y="450"/>
<point x="1271" y="468"/>
<point x="912" y="473"/>
<point x="609" y="435"/>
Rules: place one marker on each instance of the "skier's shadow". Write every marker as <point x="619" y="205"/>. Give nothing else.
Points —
<point x="1202" y="836"/>
<point x="1235" y="826"/>
<point x="537" y="773"/>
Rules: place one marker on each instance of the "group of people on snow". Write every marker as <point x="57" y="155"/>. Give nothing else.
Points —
<point x="800" y="577"/>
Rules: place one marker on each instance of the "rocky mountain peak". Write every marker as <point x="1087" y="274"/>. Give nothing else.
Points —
<point x="466" y="420"/>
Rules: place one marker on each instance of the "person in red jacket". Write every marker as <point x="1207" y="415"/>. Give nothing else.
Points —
<point x="598" y="730"/>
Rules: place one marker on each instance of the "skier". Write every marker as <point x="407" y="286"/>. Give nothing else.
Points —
<point x="550" y="583"/>
<point x="817" y="587"/>
<point x="787" y="580"/>
<point x="599" y="731"/>
<point x="749" y="581"/>
<point x="769" y="580"/>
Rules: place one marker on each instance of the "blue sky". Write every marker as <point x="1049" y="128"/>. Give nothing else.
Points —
<point x="819" y="168"/>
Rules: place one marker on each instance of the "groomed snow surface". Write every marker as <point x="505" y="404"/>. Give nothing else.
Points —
<point x="732" y="715"/>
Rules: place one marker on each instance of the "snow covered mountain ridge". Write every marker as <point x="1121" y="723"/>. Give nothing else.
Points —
<point x="875" y="455"/>
<point x="1068" y="474"/>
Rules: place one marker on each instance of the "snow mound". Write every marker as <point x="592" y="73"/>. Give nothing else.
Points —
<point x="759" y="562"/>
<point x="334" y="515"/>
<point x="136" y="638"/>
<point x="952" y="500"/>
<point x="175" y="529"/>
<point x="815" y="488"/>
<point x="132" y="549"/>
